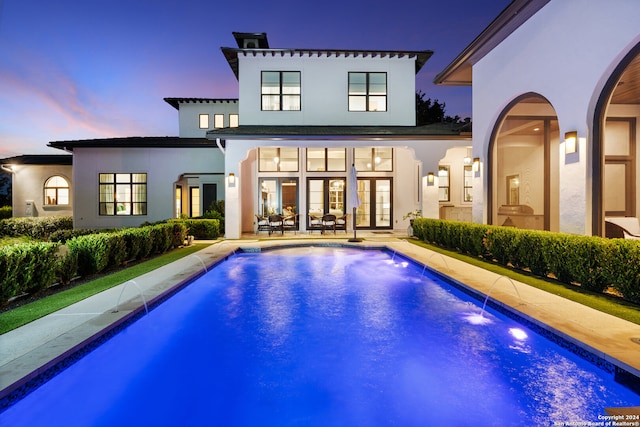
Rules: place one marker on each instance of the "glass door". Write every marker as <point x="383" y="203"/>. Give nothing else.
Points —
<point x="376" y="208"/>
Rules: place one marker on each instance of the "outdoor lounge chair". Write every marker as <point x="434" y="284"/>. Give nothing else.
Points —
<point x="622" y="228"/>
<point x="263" y="224"/>
<point x="341" y="223"/>
<point x="329" y="223"/>
<point x="315" y="223"/>
<point x="291" y="223"/>
<point x="276" y="224"/>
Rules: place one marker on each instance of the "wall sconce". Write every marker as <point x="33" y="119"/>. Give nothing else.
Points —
<point x="430" y="179"/>
<point x="571" y="142"/>
<point x="232" y="178"/>
<point x="476" y="164"/>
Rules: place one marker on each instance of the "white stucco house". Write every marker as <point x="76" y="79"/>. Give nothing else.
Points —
<point x="556" y="100"/>
<point x="302" y="119"/>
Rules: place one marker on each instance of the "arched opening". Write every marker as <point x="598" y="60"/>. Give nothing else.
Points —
<point x="523" y="172"/>
<point x="615" y="170"/>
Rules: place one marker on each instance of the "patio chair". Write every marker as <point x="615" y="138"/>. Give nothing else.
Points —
<point x="276" y="224"/>
<point x="315" y="223"/>
<point x="291" y="223"/>
<point x="341" y="223"/>
<point x="263" y="224"/>
<point x="329" y="223"/>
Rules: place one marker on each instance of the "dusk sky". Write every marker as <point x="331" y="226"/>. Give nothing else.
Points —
<point x="78" y="69"/>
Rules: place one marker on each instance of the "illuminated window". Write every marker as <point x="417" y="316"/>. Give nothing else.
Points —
<point x="218" y="121"/>
<point x="326" y="159"/>
<point x="378" y="159"/>
<point x="56" y="191"/>
<point x="280" y="90"/>
<point x="194" y="193"/>
<point x="367" y="91"/>
<point x="123" y="194"/>
<point x="278" y="159"/>
<point x="443" y="184"/>
<point x="468" y="183"/>
<point x="204" y="121"/>
<point x="233" y="121"/>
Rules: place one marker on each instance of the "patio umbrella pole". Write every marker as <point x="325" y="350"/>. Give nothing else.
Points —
<point x="354" y="239"/>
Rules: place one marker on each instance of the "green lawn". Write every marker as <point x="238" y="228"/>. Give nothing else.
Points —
<point x="601" y="302"/>
<point x="29" y="312"/>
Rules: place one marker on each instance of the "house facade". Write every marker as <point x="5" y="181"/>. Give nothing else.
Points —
<point x="287" y="144"/>
<point x="556" y="101"/>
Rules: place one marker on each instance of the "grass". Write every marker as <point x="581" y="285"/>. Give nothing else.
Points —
<point x="24" y="314"/>
<point x="609" y="304"/>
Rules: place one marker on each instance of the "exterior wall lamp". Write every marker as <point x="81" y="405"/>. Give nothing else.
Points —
<point x="571" y="142"/>
<point x="476" y="164"/>
<point x="232" y="179"/>
<point x="430" y="179"/>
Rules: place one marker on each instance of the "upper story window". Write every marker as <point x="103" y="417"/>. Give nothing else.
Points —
<point x="56" y="191"/>
<point x="123" y="193"/>
<point x="378" y="159"/>
<point x="278" y="159"/>
<point x="234" y="121"/>
<point x="203" y="121"/>
<point x="280" y="90"/>
<point x="218" y="121"/>
<point x="367" y="91"/>
<point x="326" y="159"/>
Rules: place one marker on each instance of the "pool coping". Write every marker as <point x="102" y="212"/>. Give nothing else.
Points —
<point x="26" y="372"/>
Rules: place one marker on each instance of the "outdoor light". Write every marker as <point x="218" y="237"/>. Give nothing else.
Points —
<point x="430" y="178"/>
<point x="476" y="164"/>
<point x="232" y="178"/>
<point x="571" y="142"/>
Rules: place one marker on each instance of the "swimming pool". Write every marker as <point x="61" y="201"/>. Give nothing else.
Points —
<point x="322" y="337"/>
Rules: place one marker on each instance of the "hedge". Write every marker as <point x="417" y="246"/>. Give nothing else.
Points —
<point x="38" y="228"/>
<point x="200" y="228"/>
<point x="594" y="263"/>
<point x="32" y="267"/>
<point x="5" y="212"/>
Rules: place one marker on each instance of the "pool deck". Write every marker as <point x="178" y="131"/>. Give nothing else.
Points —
<point x="33" y="349"/>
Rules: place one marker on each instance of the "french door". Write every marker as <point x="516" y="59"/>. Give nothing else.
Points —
<point x="376" y="203"/>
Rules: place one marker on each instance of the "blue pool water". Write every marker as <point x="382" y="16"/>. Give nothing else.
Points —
<point x="322" y="337"/>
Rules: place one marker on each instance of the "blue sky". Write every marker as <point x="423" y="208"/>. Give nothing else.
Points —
<point x="79" y="69"/>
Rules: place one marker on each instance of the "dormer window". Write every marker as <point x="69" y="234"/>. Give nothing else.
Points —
<point x="280" y="91"/>
<point x="367" y="91"/>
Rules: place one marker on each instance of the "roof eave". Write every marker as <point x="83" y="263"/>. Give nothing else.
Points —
<point x="459" y="71"/>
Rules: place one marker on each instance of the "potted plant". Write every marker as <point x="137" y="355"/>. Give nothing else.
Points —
<point x="412" y="215"/>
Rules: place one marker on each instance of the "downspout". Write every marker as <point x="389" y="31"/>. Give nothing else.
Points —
<point x="219" y="145"/>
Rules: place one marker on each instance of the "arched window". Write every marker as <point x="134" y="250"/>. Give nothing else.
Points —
<point x="56" y="191"/>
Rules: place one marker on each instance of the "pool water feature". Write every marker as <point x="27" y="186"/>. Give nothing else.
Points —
<point x="322" y="337"/>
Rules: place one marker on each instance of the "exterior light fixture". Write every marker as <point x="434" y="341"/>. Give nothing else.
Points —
<point x="476" y="164"/>
<point x="430" y="179"/>
<point x="571" y="142"/>
<point x="232" y="178"/>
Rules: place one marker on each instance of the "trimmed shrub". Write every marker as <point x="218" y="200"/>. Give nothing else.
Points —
<point x="201" y="228"/>
<point x="5" y="212"/>
<point x="67" y="264"/>
<point x="26" y="268"/>
<point x="93" y="252"/>
<point x="61" y="236"/>
<point x="118" y="253"/>
<point x="38" y="228"/>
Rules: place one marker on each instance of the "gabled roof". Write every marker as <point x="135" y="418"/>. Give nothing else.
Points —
<point x="175" y="102"/>
<point x="458" y="72"/>
<point x="39" y="159"/>
<point x="135" y="141"/>
<point x="434" y="131"/>
<point x="231" y="54"/>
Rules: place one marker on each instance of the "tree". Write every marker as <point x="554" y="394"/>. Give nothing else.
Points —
<point x="428" y="111"/>
<point x="5" y="189"/>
